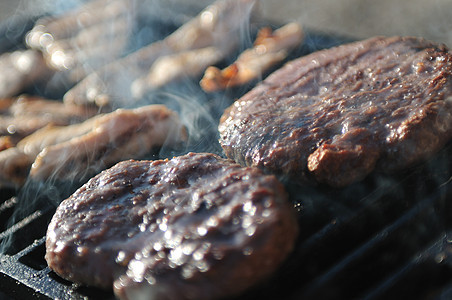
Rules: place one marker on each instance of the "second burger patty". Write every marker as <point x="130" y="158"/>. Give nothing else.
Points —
<point x="194" y="227"/>
<point x="336" y="115"/>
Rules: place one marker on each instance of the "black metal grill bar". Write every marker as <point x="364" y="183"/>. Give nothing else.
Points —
<point x="446" y="293"/>
<point x="40" y="284"/>
<point x="15" y="279"/>
<point x="8" y="204"/>
<point x="406" y="225"/>
<point x="438" y="255"/>
<point x="21" y="224"/>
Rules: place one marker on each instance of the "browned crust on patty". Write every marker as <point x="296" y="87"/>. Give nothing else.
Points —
<point x="197" y="225"/>
<point x="336" y="115"/>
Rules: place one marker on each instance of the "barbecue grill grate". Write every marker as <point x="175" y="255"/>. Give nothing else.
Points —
<point x="388" y="248"/>
<point x="387" y="237"/>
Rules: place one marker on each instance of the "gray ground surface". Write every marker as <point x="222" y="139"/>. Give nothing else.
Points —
<point x="357" y="18"/>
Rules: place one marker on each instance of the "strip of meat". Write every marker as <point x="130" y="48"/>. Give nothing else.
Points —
<point x="80" y="150"/>
<point x="16" y="161"/>
<point x="5" y="104"/>
<point x="270" y="48"/>
<point x="104" y="32"/>
<point x="94" y="46"/>
<point x="15" y="129"/>
<point x="214" y="26"/>
<point x="122" y="134"/>
<point x="14" y="166"/>
<point x="6" y="142"/>
<point x="19" y="70"/>
<point x="24" y="115"/>
<point x="57" y="112"/>
<point x="80" y="63"/>
<point x="111" y="85"/>
<point x="84" y="39"/>
<point x="50" y="135"/>
<point x="174" y="67"/>
<point x="50" y="29"/>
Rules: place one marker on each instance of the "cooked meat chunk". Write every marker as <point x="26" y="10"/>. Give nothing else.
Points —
<point x="5" y="104"/>
<point x="52" y="134"/>
<point x="24" y="115"/>
<point x="270" y="48"/>
<point x="19" y="70"/>
<point x="90" y="50"/>
<point x="171" y="68"/>
<point x="193" y="227"/>
<point x="55" y="111"/>
<point x="14" y="129"/>
<point x="76" y="151"/>
<point x="52" y="28"/>
<point x="6" y="142"/>
<point x="17" y="160"/>
<point x="103" y="141"/>
<point x="85" y="39"/>
<point x="14" y="166"/>
<point x="215" y="26"/>
<point x="338" y="114"/>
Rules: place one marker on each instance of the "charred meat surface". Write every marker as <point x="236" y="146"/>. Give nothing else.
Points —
<point x="194" y="227"/>
<point x="338" y="114"/>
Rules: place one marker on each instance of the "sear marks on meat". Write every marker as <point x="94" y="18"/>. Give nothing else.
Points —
<point x="79" y="151"/>
<point x="337" y="114"/>
<point x="270" y="48"/>
<point x="194" y="227"/>
<point x="19" y="70"/>
<point x="217" y="26"/>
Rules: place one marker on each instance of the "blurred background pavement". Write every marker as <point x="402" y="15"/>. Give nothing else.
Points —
<point x="356" y="18"/>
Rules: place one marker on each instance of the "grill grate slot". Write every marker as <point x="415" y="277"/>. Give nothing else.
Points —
<point x="425" y="276"/>
<point x="380" y="256"/>
<point x="25" y="275"/>
<point x="6" y="211"/>
<point x="353" y="254"/>
<point x="19" y="235"/>
<point x="35" y="258"/>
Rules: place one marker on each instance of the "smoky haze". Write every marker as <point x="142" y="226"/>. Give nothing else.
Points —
<point x="358" y="209"/>
<point x="360" y="18"/>
<point x="198" y="112"/>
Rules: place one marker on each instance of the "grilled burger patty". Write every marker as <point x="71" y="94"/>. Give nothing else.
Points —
<point x="196" y="226"/>
<point x="336" y="115"/>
